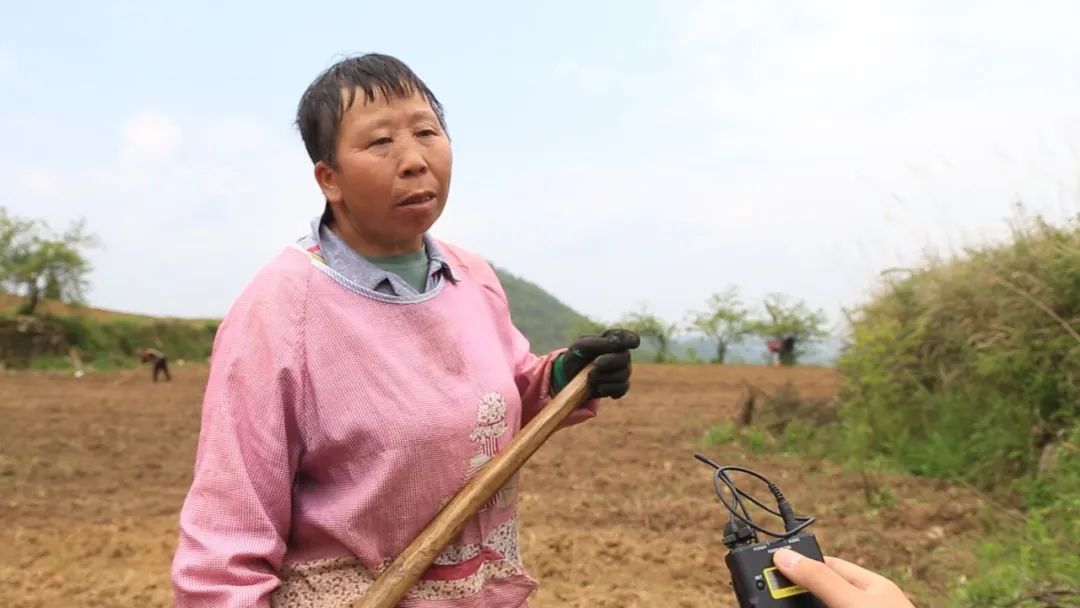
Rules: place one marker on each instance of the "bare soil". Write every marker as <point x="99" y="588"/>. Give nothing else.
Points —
<point x="615" y="513"/>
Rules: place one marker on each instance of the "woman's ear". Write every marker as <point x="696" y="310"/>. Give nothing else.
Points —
<point x="327" y="180"/>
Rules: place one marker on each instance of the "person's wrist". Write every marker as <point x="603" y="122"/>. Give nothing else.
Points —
<point x="558" y="374"/>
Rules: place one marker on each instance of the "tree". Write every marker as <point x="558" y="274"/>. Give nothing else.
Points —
<point x="38" y="263"/>
<point x="785" y="317"/>
<point x="651" y="327"/>
<point x="724" y="322"/>
<point x="16" y="244"/>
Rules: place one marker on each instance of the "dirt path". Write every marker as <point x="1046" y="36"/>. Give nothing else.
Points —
<point x="615" y="513"/>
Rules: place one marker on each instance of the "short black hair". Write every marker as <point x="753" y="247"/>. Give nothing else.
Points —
<point x="322" y="106"/>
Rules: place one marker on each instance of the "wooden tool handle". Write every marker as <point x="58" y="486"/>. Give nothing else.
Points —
<point x="403" y="572"/>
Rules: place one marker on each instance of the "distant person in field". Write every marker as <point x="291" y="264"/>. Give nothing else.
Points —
<point x="365" y="375"/>
<point x="781" y="349"/>
<point x="787" y="350"/>
<point x="774" y="345"/>
<point x="159" y="361"/>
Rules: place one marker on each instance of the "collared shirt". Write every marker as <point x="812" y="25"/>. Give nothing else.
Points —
<point x="358" y="269"/>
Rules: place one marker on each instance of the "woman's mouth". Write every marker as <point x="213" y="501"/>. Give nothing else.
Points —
<point x="417" y="198"/>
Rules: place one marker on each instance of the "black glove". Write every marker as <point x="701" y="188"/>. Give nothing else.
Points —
<point x="610" y="352"/>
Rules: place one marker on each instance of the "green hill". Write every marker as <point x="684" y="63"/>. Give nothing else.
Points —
<point x="545" y="321"/>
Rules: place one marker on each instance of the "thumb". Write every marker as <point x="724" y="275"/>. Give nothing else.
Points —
<point x="624" y="337"/>
<point x="818" y="579"/>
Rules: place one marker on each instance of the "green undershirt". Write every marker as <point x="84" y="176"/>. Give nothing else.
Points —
<point x="411" y="267"/>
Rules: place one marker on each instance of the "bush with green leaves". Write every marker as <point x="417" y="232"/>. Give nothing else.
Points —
<point x="969" y="369"/>
<point x="1036" y="563"/>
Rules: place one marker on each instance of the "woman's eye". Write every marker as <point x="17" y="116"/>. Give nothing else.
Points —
<point x="382" y="141"/>
<point x="427" y="133"/>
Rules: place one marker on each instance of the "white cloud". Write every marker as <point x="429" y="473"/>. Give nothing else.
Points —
<point x="180" y="237"/>
<point x="805" y="148"/>
<point x="7" y="65"/>
<point x="236" y="135"/>
<point x="36" y="182"/>
<point x="587" y="77"/>
<point x="148" y="137"/>
<point x="837" y="139"/>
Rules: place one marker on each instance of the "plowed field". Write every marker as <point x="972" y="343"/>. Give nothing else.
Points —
<point x="615" y="513"/>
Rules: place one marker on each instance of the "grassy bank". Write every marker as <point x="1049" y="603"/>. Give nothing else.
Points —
<point x="100" y="339"/>
<point x="968" y="369"/>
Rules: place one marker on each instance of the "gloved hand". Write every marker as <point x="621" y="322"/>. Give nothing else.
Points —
<point x="610" y="376"/>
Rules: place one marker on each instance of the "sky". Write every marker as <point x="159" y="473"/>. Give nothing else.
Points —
<point x="618" y="154"/>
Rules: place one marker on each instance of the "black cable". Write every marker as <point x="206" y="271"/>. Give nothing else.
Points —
<point x="732" y="533"/>
<point x="792" y="523"/>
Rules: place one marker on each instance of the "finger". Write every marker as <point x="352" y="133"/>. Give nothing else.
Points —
<point x="819" y="579"/>
<point x="626" y="338"/>
<point x="610" y="362"/>
<point x="589" y="347"/>
<point x="607" y="377"/>
<point x="615" y="390"/>
<point x="856" y="575"/>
